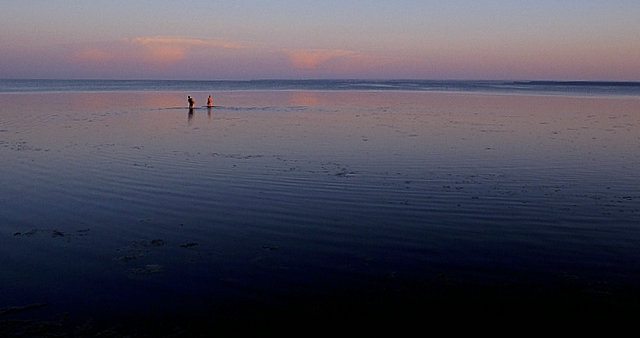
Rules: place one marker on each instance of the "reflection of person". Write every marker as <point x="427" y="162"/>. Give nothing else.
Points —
<point x="191" y="102"/>
<point x="209" y="101"/>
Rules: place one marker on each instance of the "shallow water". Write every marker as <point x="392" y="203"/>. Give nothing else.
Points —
<point x="127" y="203"/>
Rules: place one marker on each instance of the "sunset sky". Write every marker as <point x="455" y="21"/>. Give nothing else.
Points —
<point x="302" y="39"/>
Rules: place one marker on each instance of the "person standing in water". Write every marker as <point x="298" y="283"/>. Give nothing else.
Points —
<point x="209" y="102"/>
<point x="191" y="102"/>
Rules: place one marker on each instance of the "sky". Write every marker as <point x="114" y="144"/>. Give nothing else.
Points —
<point x="328" y="39"/>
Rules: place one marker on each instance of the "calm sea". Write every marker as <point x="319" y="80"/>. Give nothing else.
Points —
<point x="316" y="200"/>
<point x="544" y="87"/>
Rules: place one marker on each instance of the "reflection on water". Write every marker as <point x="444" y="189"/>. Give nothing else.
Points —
<point x="190" y="115"/>
<point x="112" y="203"/>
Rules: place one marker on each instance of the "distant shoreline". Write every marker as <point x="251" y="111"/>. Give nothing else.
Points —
<point x="580" y="83"/>
<point x="579" y="88"/>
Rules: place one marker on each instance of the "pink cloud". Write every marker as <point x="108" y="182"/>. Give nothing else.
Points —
<point x="153" y="51"/>
<point x="163" y="54"/>
<point x="187" y="42"/>
<point x="170" y="49"/>
<point x="311" y="58"/>
<point x="337" y="62"/>
<point x="201" y="58"/>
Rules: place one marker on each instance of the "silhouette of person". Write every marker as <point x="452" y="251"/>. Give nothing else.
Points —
<point x="191" y="102"/>
<point x="209" y="101"/>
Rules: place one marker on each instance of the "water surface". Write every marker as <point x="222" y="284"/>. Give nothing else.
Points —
<point x="126" y="203"/>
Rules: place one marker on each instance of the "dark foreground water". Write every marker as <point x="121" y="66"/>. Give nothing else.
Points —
<point x="304" y="206"/>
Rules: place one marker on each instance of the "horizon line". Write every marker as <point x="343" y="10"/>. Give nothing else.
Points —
<point x="514" y="81"/>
